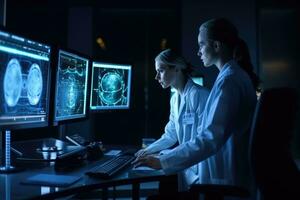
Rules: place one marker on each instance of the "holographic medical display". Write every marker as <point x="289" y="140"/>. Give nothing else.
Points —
<point x="71" y="86"/>
<point x="24" y="80"/>
<point x="110" y="88"/>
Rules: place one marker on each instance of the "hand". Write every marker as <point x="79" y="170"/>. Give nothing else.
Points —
<point x="141" y="152"/>
<point x="147" y="160"/>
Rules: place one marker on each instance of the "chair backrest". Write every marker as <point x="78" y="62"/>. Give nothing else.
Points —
<point x="275" y="172"/>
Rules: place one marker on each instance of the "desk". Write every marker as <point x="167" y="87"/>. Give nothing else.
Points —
<point x="11" y="188"/>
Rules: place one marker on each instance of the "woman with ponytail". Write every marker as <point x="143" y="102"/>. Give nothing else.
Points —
<point x="221" y="145"/>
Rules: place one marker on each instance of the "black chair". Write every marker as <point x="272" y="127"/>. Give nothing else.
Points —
<point x="275" y="172"/>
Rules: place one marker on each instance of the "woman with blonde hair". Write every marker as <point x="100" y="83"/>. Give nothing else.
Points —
<point x="186" y="107"/>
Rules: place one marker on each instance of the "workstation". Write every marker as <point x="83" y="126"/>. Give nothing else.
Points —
<point x="78" y="88"/>
<point x="76" y="176"/>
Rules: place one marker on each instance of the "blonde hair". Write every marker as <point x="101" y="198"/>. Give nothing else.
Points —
<point x="173" y="59"/>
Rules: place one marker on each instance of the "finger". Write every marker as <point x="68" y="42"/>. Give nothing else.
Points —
<point x="143" y="153"/>
<point x="139" y="153"/>
<point x="135" y="161"/>
<point x="138" y="159"/>
<point x="141" y="157"/>
<point x="139" y="164"/>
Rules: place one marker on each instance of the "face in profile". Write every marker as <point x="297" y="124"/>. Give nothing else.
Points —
<point x="206" y="51"/>
<point x="165" y="75"/>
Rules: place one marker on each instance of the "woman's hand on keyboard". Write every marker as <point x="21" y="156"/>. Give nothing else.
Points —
<point x="147" y="160"/>
<point x="141" y="152"/>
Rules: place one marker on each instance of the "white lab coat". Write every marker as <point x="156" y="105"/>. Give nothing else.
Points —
<point x="220" y="147"/>
<point x="183" y="121"/>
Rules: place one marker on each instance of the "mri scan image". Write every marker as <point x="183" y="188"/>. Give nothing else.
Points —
<point x="23" y="89"/>
<point x="110" y="87"/>
<point x="24" y="82"/>
<point x="12" y="82"/>
<point x="34" y="84"/>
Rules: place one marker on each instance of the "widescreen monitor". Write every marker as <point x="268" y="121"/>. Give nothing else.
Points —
<point x="110" y="86"/>
<point x="24" y="82"/>
<point x="71" y="86"/>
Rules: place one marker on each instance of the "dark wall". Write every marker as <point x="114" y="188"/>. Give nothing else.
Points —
<point x="279" y="30"/>
<point x="2" y="12"/>
<point x="41" y="20"/>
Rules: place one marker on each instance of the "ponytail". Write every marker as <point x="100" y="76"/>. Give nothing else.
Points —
<point x="242" y="57"/>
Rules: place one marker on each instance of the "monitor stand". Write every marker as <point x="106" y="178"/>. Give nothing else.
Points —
<point x="6" y="159"/>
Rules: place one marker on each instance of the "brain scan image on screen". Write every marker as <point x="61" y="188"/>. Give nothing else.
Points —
<point x="12" y="83"/>
<point x="110" y="87"/>
<point x="34" y="84"/>
<point x="23" y="89"/>
<point x="71" y="86"/>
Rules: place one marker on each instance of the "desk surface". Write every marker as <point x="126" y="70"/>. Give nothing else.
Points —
<point x="12" y="188"/>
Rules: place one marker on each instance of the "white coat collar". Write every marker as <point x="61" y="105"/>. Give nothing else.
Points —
<point x="188" y="85"/>
<point x="230" y="63"/>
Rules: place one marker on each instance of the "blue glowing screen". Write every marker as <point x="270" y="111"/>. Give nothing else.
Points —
<point x="197" y="80"/>
<point x="24" y="80"/>
<point x="71" y="86"/>
<point x="110" y="88"/>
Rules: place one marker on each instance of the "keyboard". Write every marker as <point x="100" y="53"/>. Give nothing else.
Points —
<point x="111" y="167"/>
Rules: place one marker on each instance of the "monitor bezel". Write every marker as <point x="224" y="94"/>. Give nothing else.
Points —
<point x="110" y="108"/>
<point x="37" y="124"/>
<point x="53" y="119"/>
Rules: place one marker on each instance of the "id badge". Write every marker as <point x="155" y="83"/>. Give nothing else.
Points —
<point x="188" y="118"/>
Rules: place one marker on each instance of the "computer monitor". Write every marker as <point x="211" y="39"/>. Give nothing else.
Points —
<point x="24" y="82"/>
<point x="196" y="79"/>
<point x="71" y="86"/>
<point x="24" y="88"/>
<point x="110" y="86"/>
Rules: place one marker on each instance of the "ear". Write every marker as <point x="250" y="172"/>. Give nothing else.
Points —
<point x="217" y="45"/>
